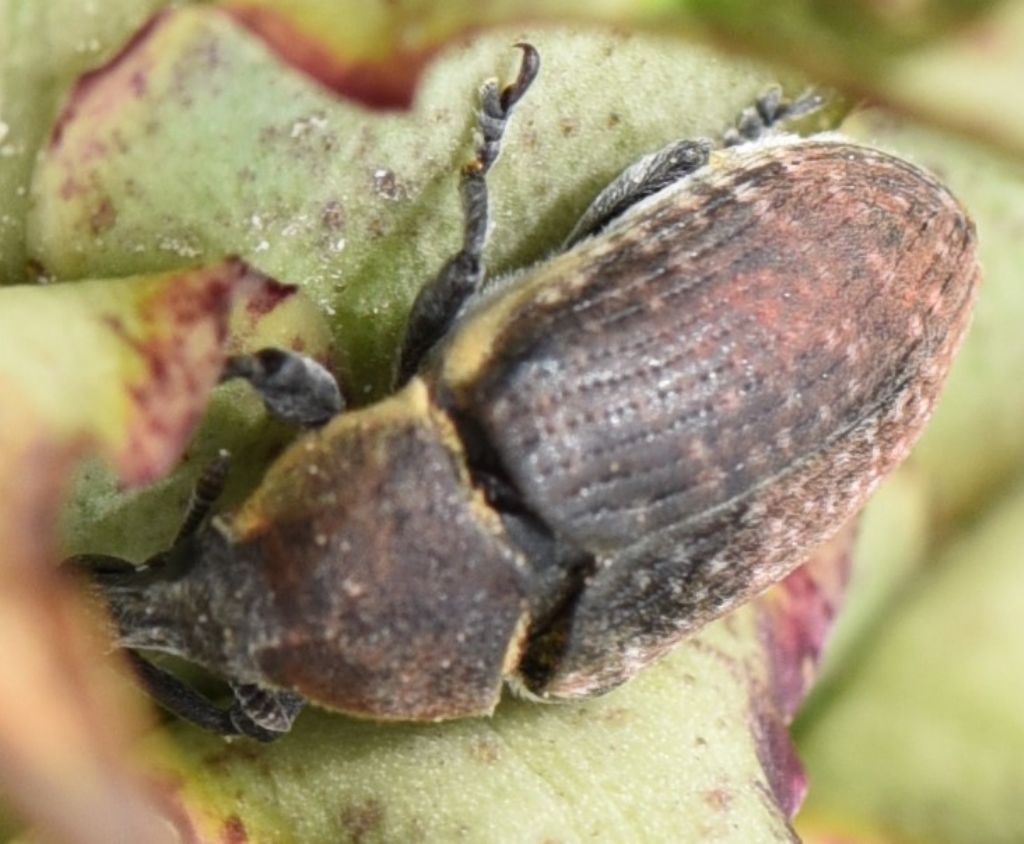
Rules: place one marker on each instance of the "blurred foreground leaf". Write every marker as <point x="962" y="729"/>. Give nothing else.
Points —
<point x="926" y="743"/>
<point x="122" y="367"/>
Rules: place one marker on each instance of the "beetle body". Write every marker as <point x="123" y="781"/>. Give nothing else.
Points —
<point x="604" y="453"/>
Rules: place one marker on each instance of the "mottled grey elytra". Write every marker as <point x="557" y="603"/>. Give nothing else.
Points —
<point x="706" y="391"/>
<point x="590" y="460"/>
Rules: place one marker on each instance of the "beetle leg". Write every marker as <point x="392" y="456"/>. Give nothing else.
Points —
<point x="293" y="387"/>
<point x="440" y="300"/>
<point x="769" y="111"/>
<point x="646" y="177"/>
<point x="208" y="487"/>
<point x="264" y="714"/>
<point x="180" y="699"/>
<point x="256" y="713"/>
<point x="660" y="169"/>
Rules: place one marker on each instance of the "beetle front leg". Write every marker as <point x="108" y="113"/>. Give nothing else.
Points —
<point x="294" y="388"/>
<point x="440" y="300"/>
<point x="256" y="713"/>
<point x="208" y="487"/>
<point x="180" y="699"/>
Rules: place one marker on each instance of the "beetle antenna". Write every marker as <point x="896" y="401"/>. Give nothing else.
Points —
<point x="205" y="493"/>
<point x="294" y="388"/>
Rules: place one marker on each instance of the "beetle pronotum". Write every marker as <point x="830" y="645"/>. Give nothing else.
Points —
<point x="582" y="464"/>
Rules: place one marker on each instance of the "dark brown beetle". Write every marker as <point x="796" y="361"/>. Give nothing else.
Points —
<point x="584" y="462"/>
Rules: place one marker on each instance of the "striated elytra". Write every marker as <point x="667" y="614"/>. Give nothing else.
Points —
<point x="594" y="457"/>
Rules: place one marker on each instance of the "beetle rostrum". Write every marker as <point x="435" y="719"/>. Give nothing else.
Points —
<point x="586" y="462"/>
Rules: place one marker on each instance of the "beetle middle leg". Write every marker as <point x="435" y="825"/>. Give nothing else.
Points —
<point x="261" y="713"/>
<point x="680" y="158"/>
<point x="440" y="300"/>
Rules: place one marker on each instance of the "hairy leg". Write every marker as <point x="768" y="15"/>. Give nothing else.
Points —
<point x="439" y="301"/>
<point x="660" y="169"/>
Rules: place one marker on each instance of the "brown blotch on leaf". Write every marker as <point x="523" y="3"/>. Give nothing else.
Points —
<point x="234" y="831"/>
<point x="486" y="750"/>
<point x="103" y="218"/>
<point x="385" y="83"/>
<point x="88" y="81"/>
<point x="387" y="185"/>
<point x="332" y="217"/>
<point x="616" y="716"/>
<point x="181" y="342"/>
<point x="362" y="820"/>
<point x="719" y="799"/>
<point x="267" y="297"/>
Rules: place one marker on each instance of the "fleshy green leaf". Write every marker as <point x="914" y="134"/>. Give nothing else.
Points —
<point x="695" y="748"/>
<point x="954" y="61"/>
<point x="361" y="209"/>
<point x="45" y="46"/>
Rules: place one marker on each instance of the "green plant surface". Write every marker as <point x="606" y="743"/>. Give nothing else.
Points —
<point x="696" y="748"/>
<point x="217" y="131"/>
<point x="954" y="62"/>
<point x="46" y="46"/>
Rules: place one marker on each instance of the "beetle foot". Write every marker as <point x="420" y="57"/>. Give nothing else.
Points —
<point x="293" y="387"/>
<point x="96" y="566"/>
<point x="264" y="714"/>
<point x="769" y="111"/>
<point x="680" y="158"/>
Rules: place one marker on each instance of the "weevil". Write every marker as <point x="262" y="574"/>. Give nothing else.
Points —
<point x="584" y="462"/>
